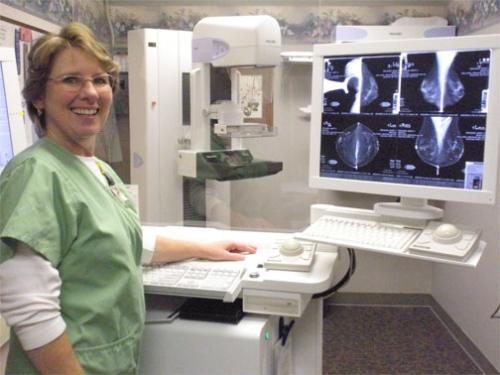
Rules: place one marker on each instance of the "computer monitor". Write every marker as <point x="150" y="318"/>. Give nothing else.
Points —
<point x="417" y="119"/>
<point x="13" y="136"/>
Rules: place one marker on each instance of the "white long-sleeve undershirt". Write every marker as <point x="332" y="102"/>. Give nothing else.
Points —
<point x="30" y="288"/>
<point x="29" y="298"/>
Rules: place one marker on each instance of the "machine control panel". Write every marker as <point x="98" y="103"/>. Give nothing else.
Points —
<point x="443" y="239"/>
<point x="291" y="255"/>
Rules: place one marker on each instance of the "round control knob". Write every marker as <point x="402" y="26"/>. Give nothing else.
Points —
<point x="291" y="248"/>
<point x="447" y="233"/>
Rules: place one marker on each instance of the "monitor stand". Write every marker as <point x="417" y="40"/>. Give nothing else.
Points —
<point x="410" y="208"/>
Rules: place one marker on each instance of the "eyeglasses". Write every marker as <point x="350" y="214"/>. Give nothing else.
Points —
<point x="73" y="82"/>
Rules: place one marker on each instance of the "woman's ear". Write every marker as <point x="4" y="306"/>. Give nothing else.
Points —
<point x="39" y="104"/>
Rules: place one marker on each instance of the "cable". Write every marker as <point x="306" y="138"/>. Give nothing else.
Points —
<point x="347" y="276"/>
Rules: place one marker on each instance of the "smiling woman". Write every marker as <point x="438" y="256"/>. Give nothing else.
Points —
<point x="71" y="278"/>
<point x="75" y="107"/>
<point x="74" y="56"/>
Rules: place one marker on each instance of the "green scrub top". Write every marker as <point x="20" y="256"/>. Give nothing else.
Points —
<point x="53" y="203"/>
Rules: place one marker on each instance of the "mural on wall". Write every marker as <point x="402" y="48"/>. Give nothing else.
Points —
<point x="471" y="16"/>
<point x="300" y="24"/>
<point x="60" y="12"/>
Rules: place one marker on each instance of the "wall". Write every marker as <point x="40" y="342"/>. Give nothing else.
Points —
<point x="470" y="296"/>
<point x="299" y="23"/>
<point x="60" y="12"/>
<point x="475" y="16"/>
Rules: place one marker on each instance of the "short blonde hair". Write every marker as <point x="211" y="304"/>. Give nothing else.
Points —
<point x="43" y="53"/>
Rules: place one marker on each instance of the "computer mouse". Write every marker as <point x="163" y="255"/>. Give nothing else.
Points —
<point x="447" y="233"/>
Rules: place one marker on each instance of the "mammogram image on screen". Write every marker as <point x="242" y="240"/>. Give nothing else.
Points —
<point x="411" y="118"/>
<point x="360" y="84"/>
<point x="402" y="149"/>
<point x="445" y="81"/>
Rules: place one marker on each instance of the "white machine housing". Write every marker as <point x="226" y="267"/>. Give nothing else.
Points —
<point x="157" y="60"/>
<point x="267" y="295"/>
<point x="343" y="34"/>
<point x="237" y="41"/>
<point x="187" y="347"/>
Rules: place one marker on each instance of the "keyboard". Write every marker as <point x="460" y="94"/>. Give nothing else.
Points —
<point x="197" y="279"/>
<point x="360" y="234"/>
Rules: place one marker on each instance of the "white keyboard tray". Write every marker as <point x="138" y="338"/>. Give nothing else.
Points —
<point x="319" y="210"/>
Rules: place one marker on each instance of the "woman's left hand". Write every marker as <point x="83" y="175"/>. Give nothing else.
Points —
<point x="225" y="250"/>
<point x="172" y="250"/>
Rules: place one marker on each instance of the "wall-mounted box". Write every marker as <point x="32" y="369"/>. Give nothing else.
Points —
<point x="344" y="34"/>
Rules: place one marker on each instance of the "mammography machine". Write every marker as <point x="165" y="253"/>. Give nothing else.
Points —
<point x="194" y="98"/>
<point x="233" y="60"/>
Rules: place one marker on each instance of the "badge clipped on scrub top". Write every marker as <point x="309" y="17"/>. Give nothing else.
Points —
<point x="112" y="186"/>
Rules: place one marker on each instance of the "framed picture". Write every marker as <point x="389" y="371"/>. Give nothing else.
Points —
<point x="254" y="92"/>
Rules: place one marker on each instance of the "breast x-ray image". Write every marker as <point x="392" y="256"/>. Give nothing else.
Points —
<point x="443" y="144"/>
<point x="439" y="141"/>
<point x="350" y="145"/>
<point x="357" y="145"/>
<point x="445" y="82"/>
<point x="361" y="84"/>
